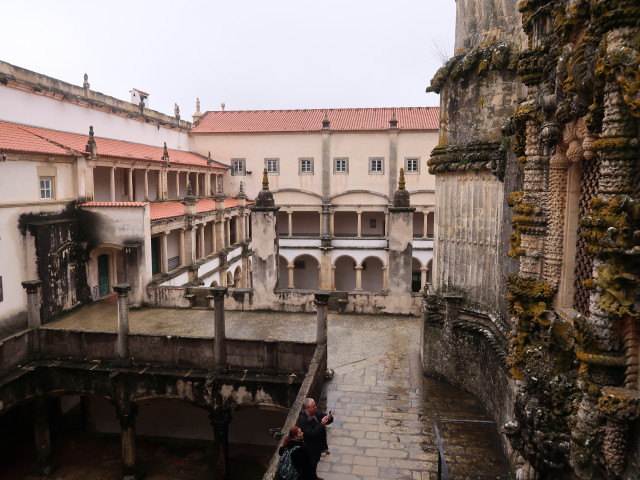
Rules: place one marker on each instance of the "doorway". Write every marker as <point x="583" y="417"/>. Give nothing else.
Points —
<point x="103" y="275"/>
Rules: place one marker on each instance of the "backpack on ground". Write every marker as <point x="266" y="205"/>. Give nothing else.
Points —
<point x="286" y="470"/>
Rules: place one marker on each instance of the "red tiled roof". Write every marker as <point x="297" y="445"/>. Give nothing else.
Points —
<point x="14" y="138"/>
<point x="176" y="209"/>
<point x="23" y="138"/>
<point x="342" y="119"/>
<point x="114" y="204"/>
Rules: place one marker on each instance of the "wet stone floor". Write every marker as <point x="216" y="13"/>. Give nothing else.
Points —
<point x="383" y="407"/>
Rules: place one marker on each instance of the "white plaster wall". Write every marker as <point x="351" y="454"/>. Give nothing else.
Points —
<point x="20" y="183"/>
<point x="291" y="253"/>
<point x="414" y="144"/>
<point x="288" y="148"/>
<point x="17" y="262"/>
<point x="358" y="147"/>
<point x="18" y="106"/>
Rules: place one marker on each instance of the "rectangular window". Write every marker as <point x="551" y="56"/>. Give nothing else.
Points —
<point x="376" y="164"/>
<point x="46" y="188"/>
<point x="341" y="165"/>
<point x="372" y="223"/>
<point x="411" y="165"/>
<point x="272" y="165"/>
<point x="238" y="166"/>
<point x="306" y="165"/>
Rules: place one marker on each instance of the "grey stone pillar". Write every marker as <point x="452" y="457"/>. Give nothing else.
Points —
<point x="220" y="419"/>
<point x="321" y="301"/>
<point x="127" y="416"/>
<point x="122" y="347"/>
<point x="219" y="346"/>
<point x="42" y="433"/>
<point x="33" y="310"/>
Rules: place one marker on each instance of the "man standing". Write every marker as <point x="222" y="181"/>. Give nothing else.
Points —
<point x="313" y="424"/>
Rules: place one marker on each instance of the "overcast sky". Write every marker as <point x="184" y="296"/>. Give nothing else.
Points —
<point x="250" y="54"/>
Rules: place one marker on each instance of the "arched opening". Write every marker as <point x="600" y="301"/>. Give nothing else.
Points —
<point x="372" y="274"/>
<point x="229" y="279"/>
<point x="345" y="224"/>
<point x="429" y="272"/>
<point x="416" y="275"/>
<point x="306" y="273"/>
<point x="237" y="277"/>
<point x="250" y="444"/>
<point x="283" y="273"/>
<point x="345" y="273"/>
<point x="214" y="283"/>
<point x="104" y="281"/>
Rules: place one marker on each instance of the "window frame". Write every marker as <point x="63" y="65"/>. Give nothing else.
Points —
<point x="406" y="165"/>
<point x="346" y="165"/>
<point x="301" y="161"/>
<point x="373" y="171"/>
<point x="50" y="189"/>
<point x="238" y="161"/>
<point x="276" y="162"/>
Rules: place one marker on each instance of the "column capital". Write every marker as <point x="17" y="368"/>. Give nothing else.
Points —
<point x="218" y="292"/>
<point x="31" y="286"/>
<point x="321" y="297"/>
<point x="122" y="289"/>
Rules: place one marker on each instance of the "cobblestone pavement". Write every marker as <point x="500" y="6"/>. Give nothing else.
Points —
<point x="384" y="409"/>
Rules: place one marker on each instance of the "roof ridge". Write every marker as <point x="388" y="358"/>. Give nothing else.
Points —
<point x="318" y="109"/>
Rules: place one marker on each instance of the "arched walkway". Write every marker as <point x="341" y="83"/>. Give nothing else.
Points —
<point x="372" y="274"/>
<point x="306" y="273"/>
<point x="345" y="273"/>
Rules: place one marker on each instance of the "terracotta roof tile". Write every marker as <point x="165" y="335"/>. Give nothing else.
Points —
<point x="342" y="119"/>
<point x="114" y="204"/>
<point x="175" y="209"/>
<point x="14" y="138"/>
<point x="23" y="138"/>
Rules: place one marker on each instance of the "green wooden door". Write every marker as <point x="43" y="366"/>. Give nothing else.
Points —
<point x="103" y="275"/>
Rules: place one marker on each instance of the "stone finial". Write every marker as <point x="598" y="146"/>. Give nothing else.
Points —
<point x="393" y="123"/>
<point x="222" y="105"/>
<point x="165" y="155"/>
<point x="85" y="84"/>
<point x="91" y="148"/>
<point x="325" y="121"/>
<point x="219" y="189"/>
<point x="265" y="197"/>
<point x="196" y="116"/>
<point x="401" y="197"/>
<point x="209" y="159"/>
<point x="31" y="286"/>
<point x="189" y="198"/>
<point x="176" y="111"/>
<point x="241" y="192"/>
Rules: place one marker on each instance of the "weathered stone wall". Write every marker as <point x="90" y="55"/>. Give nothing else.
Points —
<point x="567" y="316"/>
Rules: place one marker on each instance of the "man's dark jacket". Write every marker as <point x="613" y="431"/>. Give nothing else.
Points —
<point x="315" y="433"/>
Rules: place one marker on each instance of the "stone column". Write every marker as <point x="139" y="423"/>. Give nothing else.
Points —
<point x="290" y="224"/>
<point x="400" y="228"/>
<point x="33" y="310"/>
<point x="177" y="184"/>
<point x="358" y="269"/>
<point x="127" y="416"/>
<point x="164" y="252"/>
<point x="183" y="257"/>
<point x="130" y="184"/>
<point x="359" y="232"/>
<point x="220" y="234"/>
<point x="146" y="185"/>
<point x="214" y="246"/>
<point x="425" y="223"/>
<point x="112" y="184"/>
<point x="42" y="433"/>
<point x="122" y="348"/>
<point x="321" y="301"/>
<point x="201" y="250"/>
<point x="290" y="270"/>
<point x="219" y="347"/>
<point x="197" y="184"/>
<point x="423" y="278"/>
<point x="220" y="419"/>
<point x="227" y="230"/>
